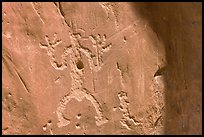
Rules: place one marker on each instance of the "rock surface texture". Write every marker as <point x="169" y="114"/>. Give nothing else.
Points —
<point x="101" y="68"/>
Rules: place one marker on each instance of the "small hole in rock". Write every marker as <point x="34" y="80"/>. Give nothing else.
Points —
<point x="78" y="116"/>
<point x="44" y="127"/>
<point x="49" y="121"/>
<point x="77" y="125"/>
<point x="80" y="65"/>
<point x="9" y="94"/>
<point x="124" y="39"/>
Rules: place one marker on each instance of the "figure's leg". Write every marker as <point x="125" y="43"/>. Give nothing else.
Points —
<point x="60" y="110"/>
<point x="62" y="105"/>
<point x="100" y="119"/>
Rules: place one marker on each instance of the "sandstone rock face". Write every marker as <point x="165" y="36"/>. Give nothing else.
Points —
<point x="101" y="68"/>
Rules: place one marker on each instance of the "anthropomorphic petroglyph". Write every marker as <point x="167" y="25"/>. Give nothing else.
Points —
<point x="75" y="51"/>
<point x="78" y="91"/>
<point x="127" y="120"/>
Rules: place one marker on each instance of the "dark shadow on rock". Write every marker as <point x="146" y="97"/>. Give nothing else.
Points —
<point x="179" y="26"/>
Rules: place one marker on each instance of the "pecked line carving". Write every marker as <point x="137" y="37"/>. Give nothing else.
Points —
<point x="77" y="91"/>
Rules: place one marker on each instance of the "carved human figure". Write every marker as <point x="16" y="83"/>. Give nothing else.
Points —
<point x="78" y="91"/>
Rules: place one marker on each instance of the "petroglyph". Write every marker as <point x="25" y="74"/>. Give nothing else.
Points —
<point x="48" y="126"/>
<point x="96" y="62"/>
<point x="50" y="47"/>
<point x="77" y="126"/>
<point x="75" y="51"/>
<point x="122" y="70"/>
<point x="77" y="92"/>
<point x="78" y="116"/>
<point x="127" y="119"/>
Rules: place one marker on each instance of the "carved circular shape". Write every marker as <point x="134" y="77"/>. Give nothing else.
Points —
<point x="80" y="64"/>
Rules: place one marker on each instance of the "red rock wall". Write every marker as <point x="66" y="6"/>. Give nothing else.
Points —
<point x="101" y="68"/>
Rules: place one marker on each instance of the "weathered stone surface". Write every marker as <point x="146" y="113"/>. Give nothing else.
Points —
<point x="101" y="68"/>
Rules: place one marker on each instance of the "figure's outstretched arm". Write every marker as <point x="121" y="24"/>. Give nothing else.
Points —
<point x="50" y="47"/>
